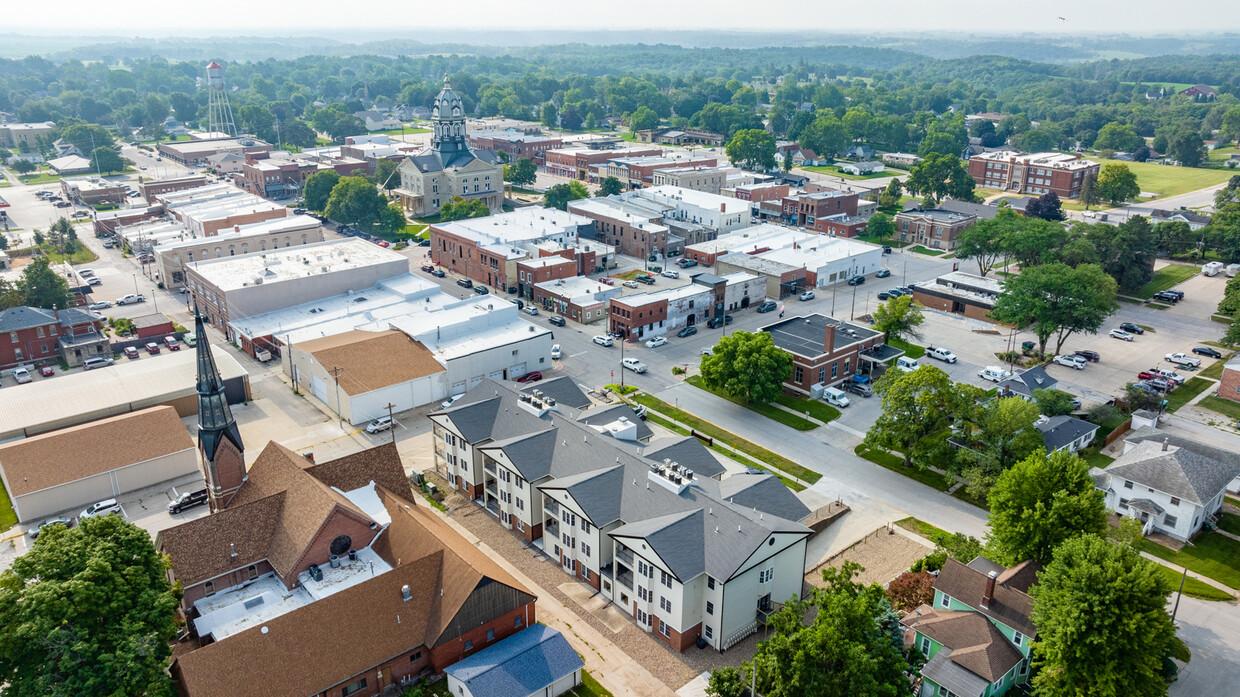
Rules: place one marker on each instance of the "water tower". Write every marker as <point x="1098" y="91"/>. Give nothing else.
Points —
<point x="219" y="112"/>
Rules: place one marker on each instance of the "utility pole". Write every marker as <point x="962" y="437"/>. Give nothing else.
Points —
<point x="390" y="406"/>
<point x="1179" y="594"/>
<point x="621" y="365"/>
<point x="852" y="311"/>
<point x="336" y="374"/>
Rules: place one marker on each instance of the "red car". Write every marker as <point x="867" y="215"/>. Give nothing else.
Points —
<point x="171" y="343"/>
<point x="152" y="348"/>
<point x="530" y="377"/>
<point x="46" y="371"/>
<point x="131" y="352"/>
<point x="607" y="281"/>
<point x="384" y="243"/>
<point x="1147" y="375"/>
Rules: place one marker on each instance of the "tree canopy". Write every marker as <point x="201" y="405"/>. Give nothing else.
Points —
<point x="457" y="208"/>
<point x="917" y="409"/>
<point x="748" y="365"/>
<point x="521" y="172"/>
<point x="609" y="186"/>
<point x="40" y="286"/>
<point x="753" y="147"/>
<point x="1039" y="503"/>
<point x="559" y="195"/>
<point x="318" y="188"/>
<point x="939" y="176"/>
<point x="899" y="318"/>
<point x="1117" y="184"/>
<point x="355" y="201"/>
<point x="1057" y="300"/>
<point x="996" y="436"/>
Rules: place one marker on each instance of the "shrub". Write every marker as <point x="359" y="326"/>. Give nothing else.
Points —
<point x="677" y="370"/>
<point x="911" y="589"/>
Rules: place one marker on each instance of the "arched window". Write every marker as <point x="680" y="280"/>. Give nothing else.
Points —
<point x="303" y="239"/>
<point x="262" y="245"/>
<point x="232" y="251"/>
<point x="218" y="252"/>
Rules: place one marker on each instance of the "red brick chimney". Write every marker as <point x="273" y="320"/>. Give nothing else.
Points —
<point x="828" y="340"/>
<point x="989" y="595"/>
<point x="723" y="207"/>
<point x="309" y="456"/>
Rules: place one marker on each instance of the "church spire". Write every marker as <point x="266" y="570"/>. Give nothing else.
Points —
<point x="219" y="440"/>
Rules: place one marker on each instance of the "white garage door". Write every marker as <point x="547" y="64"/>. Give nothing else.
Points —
<point x="319" y="388"/>
<point x="517" y="371"/>
<point x="497" y="375"/>
<point x="474" y="381"/>
<point x="564" y="684"/>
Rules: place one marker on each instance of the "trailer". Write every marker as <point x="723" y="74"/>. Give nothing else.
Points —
<point x="1232" y="270"/>
<point x="1214" y="268"/>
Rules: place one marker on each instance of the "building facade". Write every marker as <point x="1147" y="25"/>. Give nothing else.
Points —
<point x="33" y="336"/>
<point x="1032" y="174"/>
<point x="804" y="210"/>
<point x="934" y="228"/>
<point x="826" y="351"/>
<point x="578" y="163"/>
<point x="515" y="144"/>
<point x="487" y="250"/>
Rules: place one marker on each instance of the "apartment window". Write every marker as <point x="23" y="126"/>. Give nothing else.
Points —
<point x="665" y="629"/>
<point x="798" y="374"/>
<point x="417" y="656"/>
<point x="13" y="337"/>
<point x="710" y="583"/>
<point x="766" y="575"/>
<point x="835" y="367"/>
<point x="517" y="622"/>
<point x="520" y="504"/>
<point x="1170" y="521"/>
<point x="665" y="604"/>
<point x="585" y="549"/>
<point x="665" y="578"/>
<point x="469" y="644"/>
<point x="585" y="525"/>
<point x="847" y="365"/>
<point x="644" y="594"/>
<point x="39" y="332"/>
<point x="490" y="635"/>
<point x="356" y="687"/>
<point x="710" y="608"/>
<point x="1123" y="503"/>
<point x="644" y="569"/>
<point x="1175" y="501"/>
<point x="1127" y="485"/>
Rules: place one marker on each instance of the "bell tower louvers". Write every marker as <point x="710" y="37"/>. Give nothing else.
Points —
<point x="448" y="120"/>
<point x="219" y="440"/>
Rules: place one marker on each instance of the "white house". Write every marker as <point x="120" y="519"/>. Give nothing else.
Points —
<point x="535" y="662"/>
<point x="1170" y="488"/>
<point x="1064" y="432"/>
<point x="861" y="168"/>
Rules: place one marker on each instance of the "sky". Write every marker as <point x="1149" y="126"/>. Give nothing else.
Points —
<point x="327" y="17"/>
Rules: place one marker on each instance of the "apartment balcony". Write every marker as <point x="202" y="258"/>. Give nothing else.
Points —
<point x="552" y="508"/>
<point x="625" y="555"/>
<point x="489" y="466"/>
<point x="490" y="487"/>
<point x="440" y="453"/>
<point x="493" y="506"/>
<point x="624" y="577"/>
<point x="551" y="529"/>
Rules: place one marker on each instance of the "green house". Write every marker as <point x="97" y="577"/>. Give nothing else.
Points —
<point x="977" y="636"/>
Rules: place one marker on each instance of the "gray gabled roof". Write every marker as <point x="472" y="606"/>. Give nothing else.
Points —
<point x="959" y="681"/>
<point x="1148" y="433"/>
<point x="1174" y="470"/>
<point x="563" y="390"/>
<point x="1029" y="380"/>
<point x="686" y="451"/>
<point x="24" y="317"/>
<point x="612" y="413"/>
<point x="1059" y="431"/>
<point x="595" y="491"/>
<point x="525" y="663"/>
<point x="530" y="453"/>
<point x="763" y="492"/>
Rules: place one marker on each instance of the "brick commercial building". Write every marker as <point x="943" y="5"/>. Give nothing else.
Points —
<point x="1032" y="174"/>
<point x="577" y="163"/>
<point x="842" y="225"/>
<point x="514" y="143"/>
<point x="629" y="226"/>
<point x="803" y="210"/>
<point x="486" y="250"/>
<point x="543" y="269"/>
<point x="154" y="187"/>
<point x="710" y="180"/>
<point x="194" y="153"/>
<point x="757" y="193"/>
<point x="645" y="315"/>
<point x="636" y="172"/>
<point x="91" y="190"/>
<point x="755" y="239"/>
<point x="171" y="255"/>
<point x="817" y="262"/>
<point x="108" y="222"/>
<point x="934" y="228"/>
<point x="827" y="351"/>
<point x="684" y="554"/>
<point x="24" y="137"/>
<point x="271" y="178"/>
<point x="580" y="299"/>
<point x="661" y="220"/>
<point x="678" y="136"/>
<point x="33" y="336"/>
<point x="960" y="293"/>
<point x="206" y="210"/>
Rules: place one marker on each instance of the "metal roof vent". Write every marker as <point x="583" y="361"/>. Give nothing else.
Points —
<point x="405" y="592"/>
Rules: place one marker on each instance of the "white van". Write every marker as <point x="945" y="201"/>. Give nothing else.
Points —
<point x="835" y="397"/>
<point x="907" y="364"/>
<point x="993" y="373"/>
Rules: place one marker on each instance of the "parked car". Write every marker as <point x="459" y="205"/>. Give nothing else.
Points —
<point x="1166" y="296"/>
<point x="1207" y="351"/>
<point x="47" y="371"/>
<point x="856" y="280"/>
<point x="189" y="340"/>
<point x="686" y="263"/>
<point x="686" y="331"/>
<point x="383" y="423"/>
<point x="57" y="520"/>
<point x="1131" y="328"/>
<point x="1091" y="356"/>
<point x="86" y="273"/>
<point x="1183" y="359"/>
<point x="556" y="351"/>
<point x="101" y="305"/>
<point x="639" y="411"/>
<point x="835" y="397"/>
<point x="708" y="351"/>
<point x="131" y="299"/>
<point x="656" y="342"/>
<point x="152" y="347"/>
<point x="188" y="500"/>
<point x="131" y="352"/>
<point x="767" y="306"/>
<point x="450" y="401"/>
<point x="629" y="284"/>
<point x="648" y="280"/>
<point x="172" y="343"/>
<point x="671" y="274"/>
<point x="1070" y="360"/>
<point x="94" y="281"/>
<point x="718" y="321"/>
<point x="884" y="296"/>
<point x="530" y="310"/>
<point x="22" y="375"/>
<point x="1170" y="376"/>
<point x="96" y="362"/>
<point x="557" y="320"/>
<point x="895" y="292"/>
<point x="1144" y="387"/>
<point x="533" y="376"/>
<point x="438" y="273"/>
<point x="859" y="388"/>
<point x="1120" y="334"/>
<point x="1158" y="384"/>
<point x="941" y="354"/>
<point x="807" y="295"/>
<point x="907" y="364"/>
<point x="886" y="249"/>
<point x="481" y="290"/>
<point x="105" y="507"/>
<point x="882" y="273"/>
<point x="464" y="283"/>
<point x="603" y="340"/>
<point x="428" y="268"/>
<point x="63" y="204"/>
<point x="606" y="281"/>
<point x="993" y="373"/>
<point x="634" y="365"/>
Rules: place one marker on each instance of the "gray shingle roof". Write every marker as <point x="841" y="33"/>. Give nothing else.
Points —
<point x="612" y="413"/>
<point x="1059" y="431"/>
<point x="1029" y="380"/>
<point x="764" y="491"/>
<point x="563" y="390"/>
<point x="951" y="675"/>
<point x="1176" y="470"/>
<point x="23" y="317"/>
<point x="523" y="664"/>
<point x="1011" y="604"/>
<point x="686" y="451"/>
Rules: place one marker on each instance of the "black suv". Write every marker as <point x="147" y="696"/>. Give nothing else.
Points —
<point x="1168" y="296"/>
<point x="856" y="280"/>
<point x="1131" y="328"/>
<point x="767" y="306"/>
<point x="187" y="501"/>
<point x="465" y="283"/>
<point x="557" y="320"/>
<point x="648" y="280"/>
<point x="716" y="322"/>
<point x="687" y="331"/>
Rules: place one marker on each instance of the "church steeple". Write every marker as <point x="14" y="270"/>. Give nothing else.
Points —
<point x="448" y="120"/>
<point x="219" y="440"/>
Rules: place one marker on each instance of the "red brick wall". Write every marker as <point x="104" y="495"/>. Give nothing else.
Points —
<point x="340" y="522"/>
<point x="1229" y="385"/>
<point x="214" y="226"/>
<point x="230" y="469"/>
<point x="625" y="317"/>
<point x="453" y="650"/>
<point x="678" y="641"/>
<point x="32" y="347"/>
<point x="463" y="256"/>
<point x="198" y="591"/>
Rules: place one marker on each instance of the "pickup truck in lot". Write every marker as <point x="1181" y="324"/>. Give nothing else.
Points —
<point x="1184" y="359"/>
<point x="940" y="353"/>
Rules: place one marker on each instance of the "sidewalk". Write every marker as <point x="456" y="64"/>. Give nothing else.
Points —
<point x="1191" y="574"/>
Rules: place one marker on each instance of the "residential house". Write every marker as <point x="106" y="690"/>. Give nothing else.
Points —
<point x="1195" y="220"/>
<point x="861" y="152"/>
<point x="376" y="121"/>
<point x="901" y="159"/>
<point x="1199" y="93"/>
<point x="32" y="335"/>
<point x="827" y="351"/>
<point x="535" y="662"/>
<point x="862" y="168"/>
<point x="1229" y="381"/>
<point x="1025" y="382"/>
<point x="1068" y="433"/>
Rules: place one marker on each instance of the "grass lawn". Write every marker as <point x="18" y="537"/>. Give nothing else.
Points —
<point x="749" y="448"/>
<point x="834" y="171"/>
<point x="819" y="410"/>
<point x="40" y="178"/>
<point x="1158" y="306"/>
<point x="410" y="130"/>
<point x="963" y="494"/>
<point x="8" y="518"/>
<point x="910" y="350"/>
<point x="1166" y="180"/>
<point x="1211" y="555"/>
<point x="83" y="255"/>
<point x="1229" y="522"/>
<point x="770" y="412"/>
<point x="629" y="275"/>
<point x="589" y="687"/>
<point x="1195" y="588"/>
<point x="4" y="185"/>
<point x="1216" y="368"/>
<point x="1184" y="393"/>
<point x="675" y="428"/>
<point x="1226" y="407"/>
<point x="894" y="463"/>
<point x="922" y="528"/>
<point x="1221" y="154"/>
<point x="1098" y="460"/>
<point x="931" y="252"/>
<point x="1165" y="278"/>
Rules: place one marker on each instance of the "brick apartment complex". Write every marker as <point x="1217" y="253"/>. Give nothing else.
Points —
<point x="154" y="187"/>
<point x="804" y="210"/>
<point x="934" y="228"/>
<point x="487" y="250"/>
<point x="32" y="335"/>
<point x="514" y="143"/>
<point x="826" y="351"/>
<point x="577" y="163"/>
<point x="1032" y="174"/>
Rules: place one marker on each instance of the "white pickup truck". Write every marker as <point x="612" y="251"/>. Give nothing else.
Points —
<point x="1184" y="359"/>
<point x="634" y="365"/>
<point x="941" y="354"/>
<point x="131" y="298"/>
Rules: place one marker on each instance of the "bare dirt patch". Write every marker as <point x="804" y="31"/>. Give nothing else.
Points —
<point x="883" y="555"/>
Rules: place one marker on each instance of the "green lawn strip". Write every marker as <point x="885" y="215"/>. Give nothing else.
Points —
<point x="1212" y="555"/>
<point x="730" y="454"/>
<point x="82" y="255"/>
<point x="921" y="527"/>
<point x="750" y="448"/>
<point x="410" y="130"/>
<point x="1157" y="306"/>
<point x="1222" y="319"/>
<point x="589" y="687"/>
<point x="1215" y="371"/>
<point x="834" y="171"/>
<point x="770" y="412"/>
<point x="930" y="252"/>
<point x="1229" y="522"/>
<point x="1125" y="299"/>
<point x="1195" y="588"/>
<point x="818" y="410"/>
<point x="1218" y="345"/>
<point x="1098" y="460"/>
<point x="894" y="463"/>
<point x="40" y="178"/>
<point x="1226" y="407"/>
<point x="8" y="518"/>
<point x="1165" y="278"/>
<point x="1184" y="393"/>
<point x="1167" y="180"/>
<point x="910" y="350"/>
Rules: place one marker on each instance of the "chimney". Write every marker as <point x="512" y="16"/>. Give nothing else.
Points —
<point x="989" y="595"/>
<point x="723" y="207"/>
<point x="828" y="339"/>
<point x="309" y="457"/>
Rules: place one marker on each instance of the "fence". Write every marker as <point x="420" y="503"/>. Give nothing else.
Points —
<point x="1119" y="431"/>
<point x="884" y="530"/>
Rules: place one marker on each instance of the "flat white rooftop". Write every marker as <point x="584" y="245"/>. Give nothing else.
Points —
<point x="1054" y="160"/>
<point x="823" y="250"/>
<point x="579" y="287"/>
<point x="274" y="266"/>
<point x="522" y="225"/>
<point x="296" y="223"/>
<point x="544" y="262"/>
<point x="677" y="196"/>
<point x="757" y="237"/>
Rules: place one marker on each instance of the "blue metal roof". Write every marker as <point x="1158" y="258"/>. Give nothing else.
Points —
<point x="518" y="666"/>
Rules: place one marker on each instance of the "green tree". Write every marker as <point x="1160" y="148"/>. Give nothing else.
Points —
<point x="898" y="318"/>
<point x="1117" y="184"/>
<point x="298" y="133"/>
<point x="852" y="646"/>
<point x="917" y="408"/>
<point x="521" y="172"/>
<point x="1126" y="251"/>
<point x="88" y="611"/>
<point x="107" y="160"/>
<point x="609" y="186"/>
<point x="890" y="198"/>
<point x="1039" y="503"/>
<point x="548" y="115"/>
<point x="1047" y="207"/>
<point x="355" y="201"/>
<point x="825" y="135"/>
<point x="643" y="119"/>
<point x="1103" y="627"/>
<point x="1033" y="241"/>
<point x="1057" y="300"/>
<point x="318" y="188"/>
<point x="753" y="147"/>
<point x="43" y="287"/>
<point x="458" y="208"/>
<point x="1090" y="194"/>
<point x="939" y="176"/>
<point x="22" y="166"/>
<point x="86" y="136"/>
<point x="727" y="681"/>
<point x="749" y="366"/>
<point x="386" y="175"/>
<point x="1001" y="434"/>
<point x="1187" y="148"/>
<point x="1054" y="402"/>
<point x="559" y="195"/>
<point x="881" y="227"/>
<point x="986" y="241"/>
<point x="570" y="118"/>
<point x="1118" y="136"/>
<point x="1232" y="337"/>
